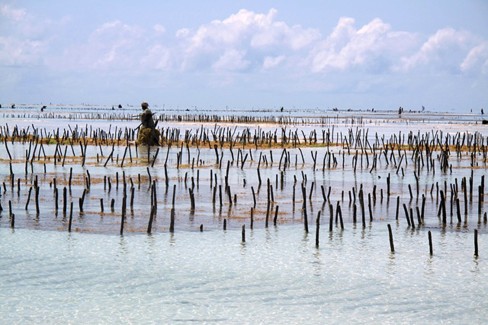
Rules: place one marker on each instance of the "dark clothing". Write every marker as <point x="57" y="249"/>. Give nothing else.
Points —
<point x="147" y="119"/>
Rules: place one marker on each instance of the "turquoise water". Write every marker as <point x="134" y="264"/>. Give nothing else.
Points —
<point x="276" y="276"/>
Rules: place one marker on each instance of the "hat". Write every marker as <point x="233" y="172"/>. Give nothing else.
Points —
<point x="144" y="104"/>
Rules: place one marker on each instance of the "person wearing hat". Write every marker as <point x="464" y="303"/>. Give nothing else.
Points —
<point x="148" y="134"/>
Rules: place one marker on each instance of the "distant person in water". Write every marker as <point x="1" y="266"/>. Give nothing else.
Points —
<point x="148" y="134"/>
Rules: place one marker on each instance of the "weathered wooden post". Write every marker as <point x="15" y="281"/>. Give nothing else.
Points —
<point x="70" y="217"/>
<point x="305" y="218"/>
<point x="276" y="215"/>
<point x="65" y="200"/>
<point x="430" y="243"/>
<point x="390" y="235"/>
<point x="151" y="217"/>
<point x="172" y="217"/>
<point x="476" y="243"/>
<point x="317" y="230"/>
<point x="28" y="198"/>
<point x="36" y="194"/>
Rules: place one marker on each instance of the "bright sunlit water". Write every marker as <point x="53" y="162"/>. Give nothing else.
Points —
<point x="277" y="276"/>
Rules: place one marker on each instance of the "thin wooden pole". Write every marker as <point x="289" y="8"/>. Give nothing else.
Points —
<point x="390" y="235"/>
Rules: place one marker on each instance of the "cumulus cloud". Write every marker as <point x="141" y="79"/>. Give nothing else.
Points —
<point x="158" y="57"/>
<point x="18" y="42"/>
<point x="245" y="41"/>
<point x="442" y="46"/>
<point x="350" y="47"/>
<point x="117" y="45"/>
<point x="477" y="59"/>
<point x="277" y="33"/>
<point x="231" y="60"/>
<point x="255" y="34"/>
<point x="113" y="44"/>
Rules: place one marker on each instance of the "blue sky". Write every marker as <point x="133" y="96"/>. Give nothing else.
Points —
<point x="247" y="54"/>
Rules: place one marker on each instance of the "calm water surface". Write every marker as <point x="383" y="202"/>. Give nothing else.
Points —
<point x="277" y="276"/>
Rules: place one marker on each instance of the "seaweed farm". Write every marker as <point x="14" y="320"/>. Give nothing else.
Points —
<point x="221" y="173"/>
<point x="298" y="216"/>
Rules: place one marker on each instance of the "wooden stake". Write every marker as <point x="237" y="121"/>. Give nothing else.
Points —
<point x="390" y="235"/>
<point x="430" y="243"/>
<point x="317" y="230"/>
<point x="476" y="243"/>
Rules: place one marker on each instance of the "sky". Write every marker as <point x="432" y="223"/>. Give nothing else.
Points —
<point x="247" y="54"/>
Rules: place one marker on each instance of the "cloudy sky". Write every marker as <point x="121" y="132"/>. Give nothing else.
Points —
<point x="247" y="54"/>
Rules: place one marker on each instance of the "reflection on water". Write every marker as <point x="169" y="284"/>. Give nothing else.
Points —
<point x="275" y="277"/>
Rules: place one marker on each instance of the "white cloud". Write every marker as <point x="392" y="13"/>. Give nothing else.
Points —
<point x="112" y="45"/>
<point x="226" y="33"/>
<point x="159" y="29"/>
<point x="21" y="24"/>
<point x="477" y="58"/>
<point x="272" y="62"/>
<point x="277" y="33"/>
<point x="158" y="57"/>
<point x="348" y="47"/>
<point x="20" y="39"/>
<point x="441" y="45"/>
<point x="231" y="60"/>
<point x="280" y="34"/>
<point x="12" y="13"/>
<point x="16" y="52"/>
<point x="243" y="48"/>
<point x="256" y="34"/>
<point x="245" y="40"/>
<point x="182" y="33"/>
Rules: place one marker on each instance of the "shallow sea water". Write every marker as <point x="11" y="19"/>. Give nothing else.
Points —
<point x="209" y="214"/>
<point x="276" y="276"/>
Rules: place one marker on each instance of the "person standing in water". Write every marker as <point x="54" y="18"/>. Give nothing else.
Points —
<point x="147" y="120"/>
<point x="148" y="134"/>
